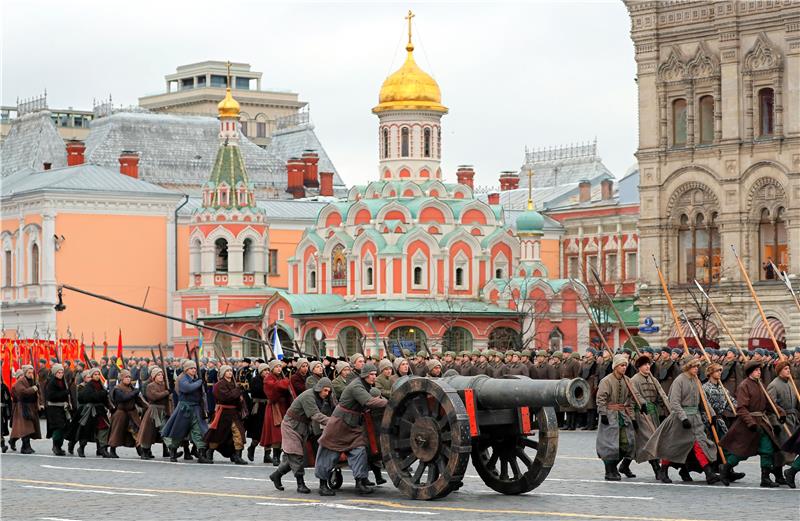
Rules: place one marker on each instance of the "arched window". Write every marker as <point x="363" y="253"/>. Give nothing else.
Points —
<point x="679" y="122"/>
<point x="417" y="275"/>
<point x="350" y="341"/>
<point x="426" y="143"/>
<point x="706" y="119"/>
<point x="7" y="262"/>
<point x="766" y="112"/>
<point x="221" y="252"/>
<point x="35" y="264"/>
<point x="339" y="264"/>
<point x="556" y="339"/>
<point x="252" y="348"/>
<point x="312" y="279"/>
<point x="404" y="142"/>
<point x="498" y="273"/>
<point x="247" y="256"/>
<point x="503" y="338"/>
<point x="385" y="143"/>
<point x="459" y="277"/>
<point x="222" y="344"/>
<point x="457" y="339"/>
<point x="369" y="276"/>
<point x="772" y="240"/>
<point x="699" y="242"/>
<point x="407" y="337"/>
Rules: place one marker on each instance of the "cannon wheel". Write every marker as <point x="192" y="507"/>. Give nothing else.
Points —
<point x="516" y="464"/>
<point x="425" y="439"/>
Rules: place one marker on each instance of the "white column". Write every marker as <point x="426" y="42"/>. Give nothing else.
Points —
<point x="48" y="253"/>
<point x="235" y="265"/>
<point x="207" y="261"/>
<point x="21" y="257"/>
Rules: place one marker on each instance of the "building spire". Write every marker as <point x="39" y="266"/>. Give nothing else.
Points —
<point x="409" y="46"/>
<point x="530" y="188"/>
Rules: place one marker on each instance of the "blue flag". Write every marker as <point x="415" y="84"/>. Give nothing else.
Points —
<point x="276" y="344"/>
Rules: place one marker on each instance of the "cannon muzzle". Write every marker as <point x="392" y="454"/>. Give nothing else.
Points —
<point x="521" y="391"/>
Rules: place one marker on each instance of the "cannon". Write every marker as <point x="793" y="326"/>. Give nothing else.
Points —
<point x="432" y="427"/>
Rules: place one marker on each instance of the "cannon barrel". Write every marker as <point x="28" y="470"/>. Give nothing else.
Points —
<point x="521" y="391"/>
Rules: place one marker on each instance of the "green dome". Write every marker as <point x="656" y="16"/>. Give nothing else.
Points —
<point x="530" y="221"/>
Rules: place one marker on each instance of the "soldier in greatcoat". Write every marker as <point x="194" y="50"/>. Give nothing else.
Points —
<point x="615" y="434"/>
<point x="570" y="368"/>
<point x="126" y="420"/>
<point x="589" y="373"/>
<point x="187" y="420"/>
<point x="94" y="419"/>
<point x="58" y="408"/>
<point x="384" y="380"/>
<point x="401" y="369"/>
<point x="159" y="408"/>
<point x="653" y="404"/>
<point x="782" y="393"/>
<point x="681" y="439"/>
<point x="25" y="422"/>
<point x="255" y="420"/>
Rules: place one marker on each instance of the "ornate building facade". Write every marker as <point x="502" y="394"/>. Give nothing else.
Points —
<point x="719" y="156"/>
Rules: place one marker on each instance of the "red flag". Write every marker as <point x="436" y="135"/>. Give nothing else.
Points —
<point x="119" y="351"/>
<point x="105" y="349"/>
<point x="6" y="358"/>
<point x="92" y="349"/>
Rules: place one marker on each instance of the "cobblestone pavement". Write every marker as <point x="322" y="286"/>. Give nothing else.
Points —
<point x="46" y="487"/>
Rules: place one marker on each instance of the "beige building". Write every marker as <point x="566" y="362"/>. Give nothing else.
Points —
<point x="197" y="88"/>
<point x="719" y="157"/>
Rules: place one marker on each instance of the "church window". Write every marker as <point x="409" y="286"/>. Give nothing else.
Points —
<point x="699" y="245"/>
<point x="631" y="266"/>
<point x="766" y="110"/>
<point x="368" y="272"/>
<point x="385" y="143"/>
<point x="35" y="264"/>
<point x="591" y="264"/>
<point x="426" y="143"/>
<point x="572" y="267"/>
<point x="221" y="252"/>
<point x="459" y="277"/>
<point x="350" y="341"/>
<point x="7" y="261"/>
<point x="247" y="256"/>
<point x="404" y="142"/>
<point x="438" y="143"/>
<point x="679" y="122"/>
<point x="706" y="120"/>
<point x="369" y="276"/>
<point x="261" y="129"/>
<point x="312" y="279"/>
<point x="556" y="339"/>
<point x="417" y="275"/>
<point x="339" y="264"/>
<point x="457" y="339"/>
<point x="273" y="262"/>
<point x="504" y="338"/>
<point x="772" y="243"/>
<point x="612" y="275"/>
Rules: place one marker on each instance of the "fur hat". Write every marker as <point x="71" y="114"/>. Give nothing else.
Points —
<point x="430" y="364"/>
<point x="224" y="369"/>
<point x="93" y="370"/>
<point x="341" y="366"/>
<point x="644" y="359"/>
<point x="323" y="382"/>
<point x="155" y="372"/>
<point x="356" y="357"/>
<point x="712" y="368"/>
<point x="124" y="374"/>
<point x="780" y="365"/>
<point x="368" y="368"/>
<point x="300" y="361"/>
<point x="273" y="364"/>
<point x="618" y="359"/>
<point x="751" y="366"/>
<point x="188" y="364"/>
<point x="397" y="361"/>
<point x="263" y="367"/>
<point x="56" y="368"/>
<point x="688" y="363"/>
<point x="383" y="364"/>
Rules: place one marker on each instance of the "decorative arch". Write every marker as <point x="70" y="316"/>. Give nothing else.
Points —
<point x="674" y="68"/>
<point x="394" y="206"/>
<point x="435" y="211"/>
<point x="685" y="197"/>
<point x="220" y="232"/>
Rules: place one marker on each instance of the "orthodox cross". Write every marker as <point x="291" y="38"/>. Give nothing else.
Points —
<point x="409" y="17"/>
<point x="228" y="65"/>
<point x="530" y="188"/>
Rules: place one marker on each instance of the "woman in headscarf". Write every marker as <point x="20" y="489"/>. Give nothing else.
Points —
<point x="25" y="423"/>
<point x="226" y="432"/>
<point x="57" y="409"/>
<point x="159" y="408"/>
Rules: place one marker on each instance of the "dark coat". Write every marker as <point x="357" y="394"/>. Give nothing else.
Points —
<point x="26" y="410"/>
<point x="190" y="404"/>
<point x="125" y="421"/>
<point x="158" y="410"/>
<point x="92" y="410"/>
<point x="255" y="421"/>
<point x="58" y="416"/>
<point x="277" y="391"/>
<point x="345" y="429"/>
<point x="298" y="383"/>
<point x="751" y="410"/>
<point x="227" y="414"/>
<point x="5" y="408"/>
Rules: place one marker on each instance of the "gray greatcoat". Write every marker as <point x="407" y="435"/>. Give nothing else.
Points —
<point x="612" y="393"/>
<point x="672" y="441"/>
<point x="783" y="396"/>
<point x="296" y="424"/>
<point x="654" y="403"/>
<point x="345" y="430"/>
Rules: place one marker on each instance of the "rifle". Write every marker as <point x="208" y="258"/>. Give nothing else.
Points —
<point x="202" y="385"/>
<point x="163" y="367"/>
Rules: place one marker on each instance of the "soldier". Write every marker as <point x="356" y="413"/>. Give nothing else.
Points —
<point x="571" y="368"/>
<point x="296" y="430"/>
<point x="418" y="368"/>
<point x="125" y="421"/>
<point x="589" y="373"/>
<point x="654" y="404"/>
<point x="525" y="359"/>
<point x="226" y="432"/>
<point x="187" y="418"/>
<point x="159" y="408"/>
<point x="298" y="379"/>
<point x="384" y="380"/>
<point x="539" y="369"/>
<point x="343" y="372"/>
<point x="5" y="410"/>
<point x="448" y="361"/>
<point x="276" y="387"/>
<point x="781" y="392"/>
<point x="345" y="432"/>
<point x="316" y="372"/>
<point x="717" y="401"/>
<point x="465" y="367"/>
<point x="255" y="420"/>
<point x="668" y="368"/>
<point x="58" y="408"/>
<point x="482" y="364"/>
<point x="94" y="419"/>
<point x="401" y="369"/>
<point x="615" y="434"/>
<point x="433" y="369"/>
<point x="516" y="367"/>
<point x="357" y="361"/>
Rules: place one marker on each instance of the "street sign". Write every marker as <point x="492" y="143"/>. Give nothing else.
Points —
<point x="648" y="327"/>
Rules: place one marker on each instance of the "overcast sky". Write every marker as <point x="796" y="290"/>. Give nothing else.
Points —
<point x="513" y="74"/>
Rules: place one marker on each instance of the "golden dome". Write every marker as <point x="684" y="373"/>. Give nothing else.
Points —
<point x="410" y="88"/>
<point x="228" y="107"/>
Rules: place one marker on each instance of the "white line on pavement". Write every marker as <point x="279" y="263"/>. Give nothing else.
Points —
<point x="681" y="485"/>
<point x="58" y="519"/>
<point x="245" y="479"/>
<point x="587" y="495"/>
<point x="351" y="507"/>
<point x="92" y="470"/>
<point x="106" y="492"/>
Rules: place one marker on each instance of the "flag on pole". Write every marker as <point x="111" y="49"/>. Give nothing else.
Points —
<point x="276" y="344"/>
<point x="105" y="349"/>
<point x="200" y="344"/>
<point x="119" y="351"/>
<point x="92" y="349"/>
<point x="6" y="358"/>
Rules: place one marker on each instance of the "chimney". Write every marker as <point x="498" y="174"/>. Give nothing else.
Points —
<point x="326" y="184"/>
<point x="466" y="175"/>
<point x="585" y="191"/>
<point x="493" y="198"/>
<point x="295" y="170"/>
<point x="311" y="162"/>
<point x="75" y="150"/>
<point x="607" y="189"/>
<point x="129" y="163"/>
<point x="508" y="181"/>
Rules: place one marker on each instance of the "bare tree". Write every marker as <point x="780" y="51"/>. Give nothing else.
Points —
<point x="532" y="313"/>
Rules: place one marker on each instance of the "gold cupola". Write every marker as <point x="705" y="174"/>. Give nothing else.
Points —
<point x="410" y="88"/>
<point x="228" y="107"/>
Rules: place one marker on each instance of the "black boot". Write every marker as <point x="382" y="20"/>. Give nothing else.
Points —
<point x="12" y="444"/>
<point x="789" y="475"/>
<point x="570" y="421"/>
<point x="275" y="477"/>
<point x="711" y="476"/>
<point x="611" y="471"/>
<point x="301" y="486"/>
<point x="766" y="482"/>
<point x="237" y="458"/>
<point x="173" y="454"/>
<point x="276" y="457"/>
<point x="114" y="453"/>
<point x="81" y="449"/>
<point x="267" y="457"/>
<point x="362" y="488"/>
<point x="325" y="489"/>
<point x="654" y="464"/>
<point x="107" y="452"/>
<point x="187" y="453"/>
<point x="777" y="471"/>
<point x="99" y="451"/>
<point x="195" y="452"/>
<point x="139" y="451"/>
<point x="684" y="473"/>
<point x="71" y="447"/>
<point x="376" y="471"/>
<point x="57" y="450"/>
<point x="164" y="451"/>
<point x="205" y="456"/>
<point x="625" y="468"/>
<point x="663" y="474"/>
<point x="3" y="444"/>
<point x="251" y="451"/>
<point x="26" y="446"/>
<point x="147" y="454"/>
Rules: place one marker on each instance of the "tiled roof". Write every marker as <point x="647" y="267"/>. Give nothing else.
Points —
<point x="81" y="178"/>
<point x="293" y="141"/>
<point x="32" y="141"/>
<point x="335" y="305"/>
<point x="278" y="209"/>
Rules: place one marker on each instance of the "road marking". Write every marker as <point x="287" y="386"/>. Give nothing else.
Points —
<point x="92" y="470"/>
<point x="352" y="507"/>
<point x="245" y="479"/>
<point x="107" y="492"/>
<point x="588" y="495"/>
<point x="681" y="485"/>
<point x="587" y="458"/>
<point x="220" y="464"/>
<point x="58" y="519"/>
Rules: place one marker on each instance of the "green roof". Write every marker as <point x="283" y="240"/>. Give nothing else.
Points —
<point x="336" y="305"/>
<point x="228" y="167"/>
<point x="254" y="312"/>
<point x="530" y="221"/>
<point x="627" y="308"/>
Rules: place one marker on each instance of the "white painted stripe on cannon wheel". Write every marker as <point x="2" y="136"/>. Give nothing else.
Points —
<point x="90" y="491"/>
<point x="352" y="507"/>
<point x="92" y="470"/>
<point x="716" y="487"/>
